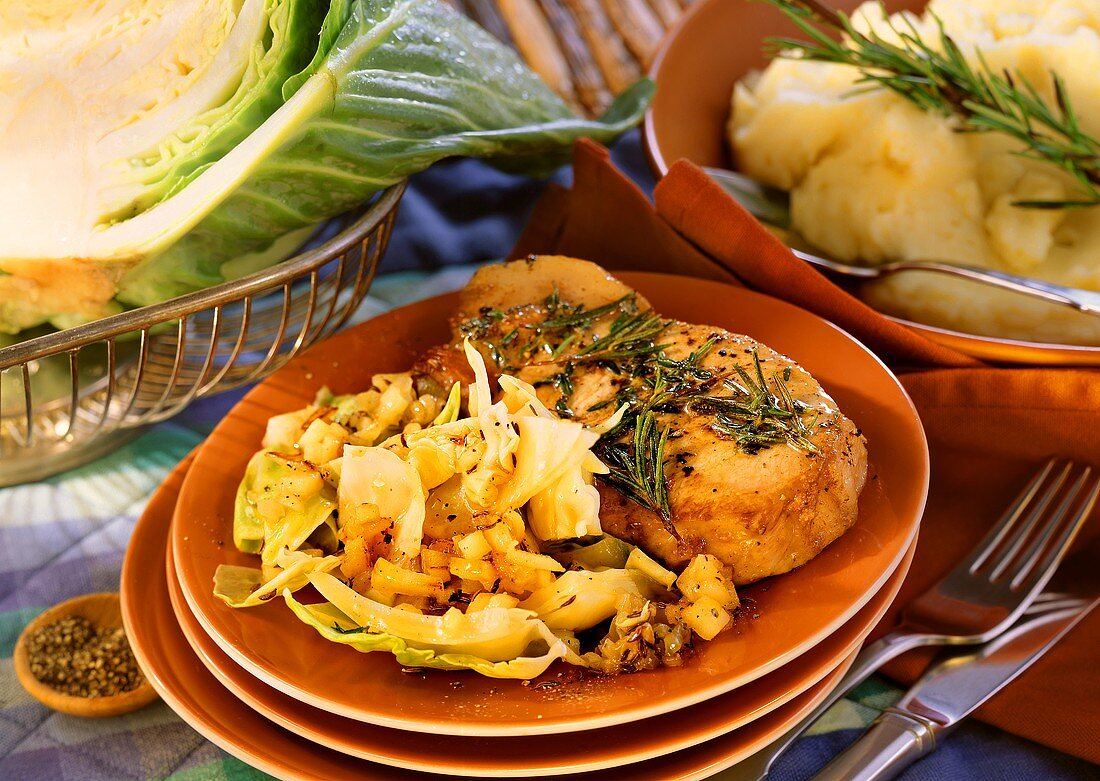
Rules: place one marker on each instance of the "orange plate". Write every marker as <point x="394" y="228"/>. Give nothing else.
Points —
<point x="597" y="749"/>
<point x="714" y="45"/>
<point x="795" y="611"/>
<point x="186" y="685"/>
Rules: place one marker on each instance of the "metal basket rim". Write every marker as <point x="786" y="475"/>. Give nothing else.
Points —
<point x="286" y="271"/>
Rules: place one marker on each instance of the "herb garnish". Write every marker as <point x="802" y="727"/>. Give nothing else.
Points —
<point x="940" y="79"/>
<point x="750" y="410"/>
<point x="637" y="467"/>
<point x="755" y="417"/>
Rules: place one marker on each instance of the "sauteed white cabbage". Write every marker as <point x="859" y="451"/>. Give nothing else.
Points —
<point x="458" y="542"/>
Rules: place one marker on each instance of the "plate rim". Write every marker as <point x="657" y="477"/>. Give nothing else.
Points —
<point x="229" y="741"/>
<point x="301" y="726"/>
<point x="594" y="721"/>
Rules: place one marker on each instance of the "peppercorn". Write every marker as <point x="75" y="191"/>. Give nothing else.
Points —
<point x="74" y="657"/>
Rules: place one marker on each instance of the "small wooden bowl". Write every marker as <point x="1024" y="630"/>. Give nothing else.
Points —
<point x="104" y="612"/>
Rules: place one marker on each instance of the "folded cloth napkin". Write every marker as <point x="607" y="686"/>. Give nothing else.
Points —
<point x="988" y="428"/>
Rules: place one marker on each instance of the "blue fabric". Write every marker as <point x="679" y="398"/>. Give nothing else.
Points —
<point x="974" y="753"/>
<point x="461" y="211"/>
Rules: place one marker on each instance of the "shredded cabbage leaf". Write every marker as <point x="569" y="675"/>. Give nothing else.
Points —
<point x="339" y="629"/>
<point x="579" y="599"/>
<point x="245" y="586"/>
<point x="374" y="475"/>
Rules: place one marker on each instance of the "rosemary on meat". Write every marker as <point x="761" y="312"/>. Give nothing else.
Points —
<point x="757" y="417"/>
<point x="638" y="466"/>
<point x="939" y="78"/>
<point x="750" y="409"/>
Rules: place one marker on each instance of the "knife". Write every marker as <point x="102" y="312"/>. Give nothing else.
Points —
<point x="949" y="692"/>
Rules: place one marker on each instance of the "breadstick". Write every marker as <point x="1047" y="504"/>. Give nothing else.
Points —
<point x="638" y="25"/>
<point x="486" y="13"/>
<point x="619" y="68"/>
<point x="535" y="42"/>
<point x="668" y="11"/>
<point x="588" y="81"/>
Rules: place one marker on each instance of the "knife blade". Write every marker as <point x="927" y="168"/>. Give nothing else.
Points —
<point x="955" y="686"/>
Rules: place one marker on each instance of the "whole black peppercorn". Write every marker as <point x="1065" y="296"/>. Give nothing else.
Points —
<point x="75" y="658"/>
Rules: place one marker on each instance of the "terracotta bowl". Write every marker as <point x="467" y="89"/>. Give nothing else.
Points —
<point x="717" y="43"/>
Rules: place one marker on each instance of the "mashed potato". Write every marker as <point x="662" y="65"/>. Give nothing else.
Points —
<point x="873" y="178"/>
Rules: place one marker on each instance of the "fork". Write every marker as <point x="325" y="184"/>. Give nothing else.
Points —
<point x="980" y="598"/>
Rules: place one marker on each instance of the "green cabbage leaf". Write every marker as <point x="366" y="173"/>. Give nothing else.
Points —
<point x="296" y="518"/>
<point x="186" y="142"/>
<point x="247" y="587"/>
<point x="498" y="642"/>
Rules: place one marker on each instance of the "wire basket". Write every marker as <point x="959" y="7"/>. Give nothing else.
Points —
<point x="73" y="395"/>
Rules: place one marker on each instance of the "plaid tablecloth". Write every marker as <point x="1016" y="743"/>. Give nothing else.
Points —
<point x="66" y="536"/>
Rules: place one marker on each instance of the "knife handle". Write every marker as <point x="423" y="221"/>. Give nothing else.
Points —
<point x="893" y="742"/>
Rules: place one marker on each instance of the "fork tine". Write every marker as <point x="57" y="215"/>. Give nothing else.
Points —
<point x="1033" y="567"/>
<point x="1042" y="521"/>
<point x="1066" y="603"/>
<point x="1039" y="521"/>
<point x="1008" y="520"/>
<point x="1050" y="596"/>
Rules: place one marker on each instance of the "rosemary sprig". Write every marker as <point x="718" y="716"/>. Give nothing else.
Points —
<point x="941" y="79"/>
<point x="750" y="410"/>
<point x="631" y="335"/>
<point x="581" y="317"/>
<point x="638" y="467"/>
<point x="756" y="417"/>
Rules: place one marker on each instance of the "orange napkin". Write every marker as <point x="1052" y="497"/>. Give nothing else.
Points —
<point x="988" y="428"/>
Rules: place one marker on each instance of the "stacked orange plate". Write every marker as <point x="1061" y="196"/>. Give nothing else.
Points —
<point x="274" y="693"/>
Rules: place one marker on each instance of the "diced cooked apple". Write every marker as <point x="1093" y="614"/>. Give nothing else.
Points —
<point x="533" y="561"/>
<point x="478" y="570"/>
<point x="361" y="520"/>
<point x="387" y="577"/>
<point x="297" y="485"/>
<point x="706" y="618"/>
<point x="322" y="442"/>
<point x="703" y="577"/>
<point x="356" y="558"/>
<point x="473" y="545"/>
<point x="435" y="563"/>
<point x="499" y="537"/>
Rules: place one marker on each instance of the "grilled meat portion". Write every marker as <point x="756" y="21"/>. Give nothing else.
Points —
<point x="727" y="447"/>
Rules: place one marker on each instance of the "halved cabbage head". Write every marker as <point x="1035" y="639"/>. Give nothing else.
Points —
<point x="153" y="147"/>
